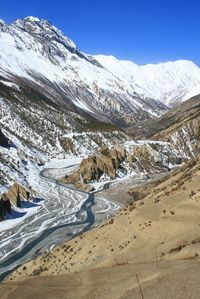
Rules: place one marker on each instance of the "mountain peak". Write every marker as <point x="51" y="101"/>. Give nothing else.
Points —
<point x="38" y="47"/>
<point x="42" y="22"/>
<point x="44" y="29"/>
<point x="33" y="19"/>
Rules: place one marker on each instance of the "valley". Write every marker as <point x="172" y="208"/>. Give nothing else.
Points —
<point x="99" y="171"/>
<point x="157" y="238"/>
<point x="60" y="214"/>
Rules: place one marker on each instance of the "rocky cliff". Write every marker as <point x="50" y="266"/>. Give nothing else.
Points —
<point x="13" y="196"/>
<point x="120" y="161"/>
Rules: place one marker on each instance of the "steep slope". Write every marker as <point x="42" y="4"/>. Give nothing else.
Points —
<point x="128" y="160"/>
<point x="33" y="130"/>
<point x="156" y="238"/>
<point x="56" y="100"/>
<point x="30" y="116"/>
<point x="170" y="82"/>
<point x="36" y="53"/>
<point x="180" y="126"/>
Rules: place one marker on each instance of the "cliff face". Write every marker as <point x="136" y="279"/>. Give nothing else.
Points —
<point x="14" y="192"/>
<point x="107" y="162"/>
<point x="129" y="159"/>
<point x="12" y="196"/>
<point x="5" y="207"/>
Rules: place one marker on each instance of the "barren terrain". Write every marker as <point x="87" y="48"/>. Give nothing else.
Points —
<point x="156" y="238"/>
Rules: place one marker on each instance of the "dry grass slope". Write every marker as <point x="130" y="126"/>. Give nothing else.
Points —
<point x="157" y="238"/>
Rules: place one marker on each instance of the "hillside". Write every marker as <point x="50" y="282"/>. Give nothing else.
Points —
<point x="33" y="131"/>
<point x="72" y="124"/>
<point x="37" y="55"/>
<point x="179" y="126"/>
<point x="157" y="238"/>
<point x="170" y="82"/>
<point x="110" y="164"/>
<point x="57" y="101"/>
<point x="34" y="54"/>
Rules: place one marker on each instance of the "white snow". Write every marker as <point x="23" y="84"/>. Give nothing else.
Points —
<point x="10" y="84"/>
<point x="164" y="81"/>
<point x="18" y="216"/>
<point x="33" y="19"/>
<point x="61" y="163"/>
<point x="23" y="55"/>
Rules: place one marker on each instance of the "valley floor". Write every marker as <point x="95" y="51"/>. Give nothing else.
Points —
<point x="117" y="191"/>
<point x="157" y="238"/>
<point x="41" y="225"/>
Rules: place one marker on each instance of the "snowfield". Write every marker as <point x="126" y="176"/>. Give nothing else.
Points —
<point x="34" y="50"/>
<point x="168" y="82"/>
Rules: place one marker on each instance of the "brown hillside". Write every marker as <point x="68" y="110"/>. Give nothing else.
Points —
<point x="157" y="238"/>
<point x="170" y="121"/>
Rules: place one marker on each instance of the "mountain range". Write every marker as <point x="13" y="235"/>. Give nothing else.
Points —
<point x="36" y="54"/>
<point x="128" y="136"/>
<point x="56" y="100"/>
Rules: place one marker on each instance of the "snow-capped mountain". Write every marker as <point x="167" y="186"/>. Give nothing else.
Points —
<point x="169" y="82"/>
<point x="55" y="99"/>
<point x="33" y="51"/>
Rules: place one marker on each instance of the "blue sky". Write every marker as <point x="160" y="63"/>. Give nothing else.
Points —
<point x="142" y="31"/>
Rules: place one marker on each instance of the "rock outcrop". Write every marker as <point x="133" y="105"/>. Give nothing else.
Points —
<point x="109" y="163"/>
<point x="106" y="162"/>
<point x="12" y="196"/>
<point x="5" y="207"/>
<point x="4" y="141"/>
